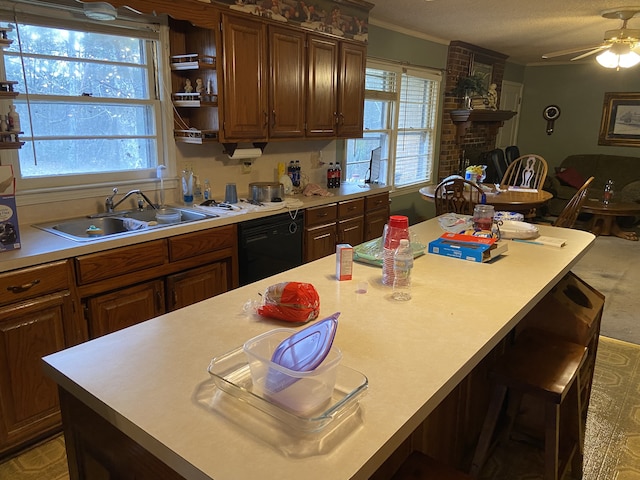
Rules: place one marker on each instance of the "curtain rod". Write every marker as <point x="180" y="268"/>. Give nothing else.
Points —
<point x="406" y="64"/>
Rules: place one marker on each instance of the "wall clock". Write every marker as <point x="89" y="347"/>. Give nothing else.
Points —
<point x="551" y="114"/>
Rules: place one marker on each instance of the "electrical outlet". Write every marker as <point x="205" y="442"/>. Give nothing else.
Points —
<point x="246" y="167"/>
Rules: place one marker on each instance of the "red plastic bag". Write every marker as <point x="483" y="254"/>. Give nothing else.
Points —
<point x="291" y="301"/>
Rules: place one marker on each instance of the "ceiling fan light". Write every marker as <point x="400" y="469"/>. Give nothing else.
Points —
<point x="611" y="59"/>
<point x="102" y="11"/>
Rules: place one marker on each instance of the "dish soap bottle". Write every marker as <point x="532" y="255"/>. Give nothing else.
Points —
<point x="207" y="189"/>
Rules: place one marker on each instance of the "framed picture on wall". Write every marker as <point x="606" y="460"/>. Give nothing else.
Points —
<point x="620" y="123"/>
<point x="483" y="67"/>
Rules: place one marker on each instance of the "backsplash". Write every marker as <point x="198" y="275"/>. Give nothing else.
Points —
<point x="208" y="162"/>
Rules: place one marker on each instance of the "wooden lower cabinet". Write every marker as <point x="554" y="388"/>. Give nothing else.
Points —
<point x="96" y="450"/>
<point x="195" y="285"/>
<point x="351" y="231"/>
<point x="319" y="241"/>
<point x="125" y="307"/>
<point x="30" y="330"/>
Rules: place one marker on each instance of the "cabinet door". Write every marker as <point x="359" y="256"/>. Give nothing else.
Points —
<point x="374" y="224"/>
<point x="351" y="231"/>
<point x="195" y="285"/>
<point x="287" y="91"/>
<point x="351" y="90"/>
<point x="319" y="242"/>
<point x="322" y="87"/>
<point x="123" y="308"/>
<point x="29" y="331"/>
<point x="244" y="90"/>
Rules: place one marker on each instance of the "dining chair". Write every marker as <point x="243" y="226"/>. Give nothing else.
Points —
<point x="457" y="195"/>
<point x="569" y="214"/>
<point x="526" y="171"/>
<point x="511" y="153"/>
<point x="498" y="162"/>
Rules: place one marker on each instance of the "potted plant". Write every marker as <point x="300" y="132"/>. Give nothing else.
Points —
<point x="466" y="86"/>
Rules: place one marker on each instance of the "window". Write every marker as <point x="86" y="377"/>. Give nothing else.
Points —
<point x="400" y="113"/>
<point x="88" y="100"/>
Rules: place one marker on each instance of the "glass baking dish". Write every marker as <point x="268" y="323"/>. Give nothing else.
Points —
<point x="231" y="374"/>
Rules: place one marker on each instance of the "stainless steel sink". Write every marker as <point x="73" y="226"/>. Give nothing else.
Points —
<point x="87" y="229"/>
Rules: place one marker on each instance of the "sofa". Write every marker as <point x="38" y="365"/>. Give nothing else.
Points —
<point x="565" y="180"/>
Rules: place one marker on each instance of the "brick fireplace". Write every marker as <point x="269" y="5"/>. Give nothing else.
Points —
<point x="480" y="137"/>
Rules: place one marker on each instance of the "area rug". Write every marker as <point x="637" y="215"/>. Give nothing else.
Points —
<point x="612" y="436"/>
<point x="612" y="439"/>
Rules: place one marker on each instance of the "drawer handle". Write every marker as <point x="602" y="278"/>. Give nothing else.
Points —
<point x="22" y="288"/>
<point x="323" y="214"/>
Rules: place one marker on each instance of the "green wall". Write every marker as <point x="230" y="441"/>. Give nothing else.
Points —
<point x="578" y="89"/>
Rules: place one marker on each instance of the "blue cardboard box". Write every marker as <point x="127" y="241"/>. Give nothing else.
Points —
<point x="471" y="251"/>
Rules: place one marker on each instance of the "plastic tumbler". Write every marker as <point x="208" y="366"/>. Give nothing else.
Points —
<point x="395" y="230"/>
<point x="230" y="193"/>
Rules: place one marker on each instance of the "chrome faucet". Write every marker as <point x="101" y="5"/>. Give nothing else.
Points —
<point x="110" y="206"/>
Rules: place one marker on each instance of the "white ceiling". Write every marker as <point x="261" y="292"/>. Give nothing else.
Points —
<point x="521" y="29"/>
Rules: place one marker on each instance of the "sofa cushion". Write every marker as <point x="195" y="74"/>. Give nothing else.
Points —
<point x="570" y="176"/>
<point x="629" y="193"/>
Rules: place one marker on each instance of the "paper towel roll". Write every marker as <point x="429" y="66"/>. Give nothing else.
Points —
<point x="242" y="153"/>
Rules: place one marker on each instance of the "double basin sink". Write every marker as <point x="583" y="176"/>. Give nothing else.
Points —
<point x="86" y="229"/>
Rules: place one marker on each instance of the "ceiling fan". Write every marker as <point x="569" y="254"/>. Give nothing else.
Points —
<point x="619" y="41"/>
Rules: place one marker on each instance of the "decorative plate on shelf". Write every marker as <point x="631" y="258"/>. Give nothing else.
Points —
<point x="515" y="229"/>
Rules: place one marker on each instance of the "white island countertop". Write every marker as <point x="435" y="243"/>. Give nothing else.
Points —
<point x="148" y="380"/>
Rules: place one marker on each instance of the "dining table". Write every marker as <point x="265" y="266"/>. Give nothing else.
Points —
<point x="142" y="399"/>
<point x="525" y="201"/>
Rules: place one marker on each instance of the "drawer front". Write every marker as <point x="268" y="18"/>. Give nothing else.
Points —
<point x="381" y="200"/>
<point x="120" y="261"/>
<point x="34" y="281"/>
<point x="197" y="243"/>
<point x="351" y="208"/>
<point x="321" y="215"/>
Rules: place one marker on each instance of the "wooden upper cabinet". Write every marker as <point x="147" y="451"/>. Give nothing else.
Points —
<point x="322" y="87"/>
<point x="351" y="90"/>
<point x="287" y="92"/>
<point x="335" y="99"/>
<point x="244" y="89"/>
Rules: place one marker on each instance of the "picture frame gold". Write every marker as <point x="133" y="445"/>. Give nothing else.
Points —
<point x="483" y="67"/>
<point x="620" y="124"/>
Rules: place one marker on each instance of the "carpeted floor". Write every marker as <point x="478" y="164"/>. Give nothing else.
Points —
<point x="612" y="445"/>
<point x="612" y="267"/>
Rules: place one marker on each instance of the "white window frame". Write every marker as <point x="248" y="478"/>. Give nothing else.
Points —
<point x="32" y="191"/>
<point x="394" y="111"/>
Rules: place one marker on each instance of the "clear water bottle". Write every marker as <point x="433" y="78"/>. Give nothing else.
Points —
<point x="607" y="195"/>
<point x="402" y="265"/>
<point x="396" y="230"/>
<point x="207" y="190"/>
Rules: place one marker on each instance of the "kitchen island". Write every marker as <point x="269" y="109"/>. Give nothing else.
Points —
<point x="150" y="381"/>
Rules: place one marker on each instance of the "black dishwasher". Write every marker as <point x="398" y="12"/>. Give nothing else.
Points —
<point x="269" y="245"/>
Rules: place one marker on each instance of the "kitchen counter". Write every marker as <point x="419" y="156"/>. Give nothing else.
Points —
<point x="39" y="246"/>
<point x="149" y="381"/>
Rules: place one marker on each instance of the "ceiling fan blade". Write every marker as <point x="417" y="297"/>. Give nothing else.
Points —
<point x="595" y="50"/>
<point x="570" y="51"/>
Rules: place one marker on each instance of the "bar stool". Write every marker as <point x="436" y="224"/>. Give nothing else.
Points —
<point x="419" y="466"/>
<point x="548" y="368"/>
